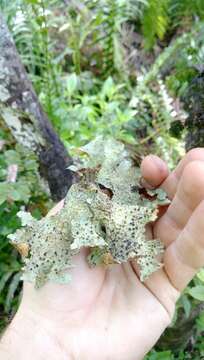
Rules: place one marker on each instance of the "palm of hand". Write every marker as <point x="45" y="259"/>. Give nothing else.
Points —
<point x="106" y="313"/>
<point x="109" y="313"/>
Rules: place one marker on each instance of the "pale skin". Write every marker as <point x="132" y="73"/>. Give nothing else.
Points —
<point x="107" y="313"/>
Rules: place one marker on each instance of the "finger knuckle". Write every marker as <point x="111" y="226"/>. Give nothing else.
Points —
<point x="192" y="181"/>
<point x="195" y="154"/>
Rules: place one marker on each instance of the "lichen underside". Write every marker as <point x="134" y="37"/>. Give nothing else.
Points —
<point x="106" y="210"/>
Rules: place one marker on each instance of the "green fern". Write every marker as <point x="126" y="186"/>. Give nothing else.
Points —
<point x="113" y="13"/>
<point x="135" y="9"/>
<point x="113" y="16"/>
<point x="117" y="12"/>
<point x="155" y="21"/>
<point x="181" y="11"/>
<point x="31" y="24"/>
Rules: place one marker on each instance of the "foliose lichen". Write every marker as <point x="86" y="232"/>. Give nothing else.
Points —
<point x="107" y="210"/>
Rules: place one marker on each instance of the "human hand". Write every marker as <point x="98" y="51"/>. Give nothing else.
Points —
<point x="107" y="313"/>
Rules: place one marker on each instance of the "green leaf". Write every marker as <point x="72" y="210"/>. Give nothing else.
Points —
<point x="4" y="280"/>
<point x="5" y="191"/>
<point x="23" y="191"/>
<point x="72" y="84"/>
<point x="197" y="292"/>
<point x="12" y="157"/>
<point x="200" y="275"/>
<point x="155" y="21"/>
<point x="108" y="88"/>
<point x="19" y="191"/>
<point x="11" y="291"/>
<point x="200" y="322"/>
<point x="163" y="355"/>
<point x="34" y="2"/>
<point x="186" y="305"/>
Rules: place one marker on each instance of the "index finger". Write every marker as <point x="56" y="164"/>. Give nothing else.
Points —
<point x="155" y="171"/>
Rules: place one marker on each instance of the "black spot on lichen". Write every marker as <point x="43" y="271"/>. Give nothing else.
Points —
<point x="108" y="214"/>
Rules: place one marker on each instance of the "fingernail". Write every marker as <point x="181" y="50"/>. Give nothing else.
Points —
<point x="157" y="161"/>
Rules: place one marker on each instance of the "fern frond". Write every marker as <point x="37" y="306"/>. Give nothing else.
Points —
<point x="180" y="11"/>
<point x="155" y="21"/>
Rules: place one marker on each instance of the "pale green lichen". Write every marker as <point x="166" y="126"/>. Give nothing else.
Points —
<point x="107" y="210"/>
<point x="23" y="131"/>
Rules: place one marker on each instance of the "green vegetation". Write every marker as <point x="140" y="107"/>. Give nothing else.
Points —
<point x="101" y="67"/>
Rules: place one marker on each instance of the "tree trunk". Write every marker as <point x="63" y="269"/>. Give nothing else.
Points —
<point x="194" y="105"/>
<point x="21" y="111"/>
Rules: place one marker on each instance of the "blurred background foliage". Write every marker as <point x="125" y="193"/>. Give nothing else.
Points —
<point x="117" y="67"/>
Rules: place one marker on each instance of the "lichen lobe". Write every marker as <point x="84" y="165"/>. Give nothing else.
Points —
<point x="105" y="211"/>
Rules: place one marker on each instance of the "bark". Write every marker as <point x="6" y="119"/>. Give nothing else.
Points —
<point x="21" y="111"/>
<point x="194" y="105"/>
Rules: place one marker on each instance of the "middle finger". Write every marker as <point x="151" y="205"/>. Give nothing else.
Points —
<point x="190" y="192"/>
